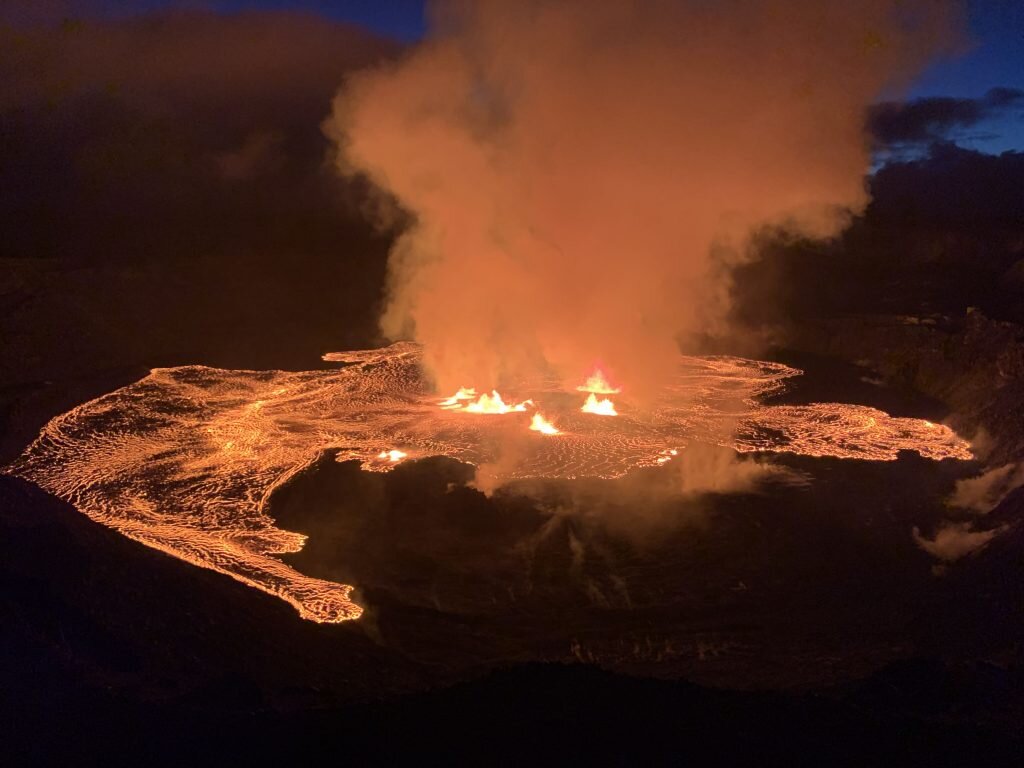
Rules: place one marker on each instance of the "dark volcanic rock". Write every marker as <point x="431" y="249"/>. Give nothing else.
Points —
<point x="795" y="586"/>
<point x="973" y="364"/>
<point x="84" y="603"/>
<point x="136" y="657"/>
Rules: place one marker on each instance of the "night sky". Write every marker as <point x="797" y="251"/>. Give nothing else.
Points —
<point x="994" y="58"/>
<point x="402" y="19"/>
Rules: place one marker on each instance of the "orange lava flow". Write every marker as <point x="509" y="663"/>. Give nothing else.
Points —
<point x="186" y="459"/>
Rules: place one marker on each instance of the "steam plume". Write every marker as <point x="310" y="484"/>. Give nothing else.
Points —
<point x="582" y="173"/>
<point x="983" y="493"/>
<point x="953" y="541"/>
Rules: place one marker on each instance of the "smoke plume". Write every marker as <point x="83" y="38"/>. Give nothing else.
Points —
<point x="983" y="493"/>
<point x="581" y="174"/>
<point x="953" y="541"/>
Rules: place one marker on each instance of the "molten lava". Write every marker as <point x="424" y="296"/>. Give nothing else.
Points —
<point x="542" y="425"/>
<point x="666" y="456"/>
<point x="182" y="462"/>
<point x="493" y="404"/>
<point x="598" y="384"/>
<point x="456" y="400"/>
<point x="604" y="407"/>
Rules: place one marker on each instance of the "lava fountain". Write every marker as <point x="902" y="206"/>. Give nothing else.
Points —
<point x="539" y="424"/>
<point x="597" y="383"/>
<point x="604" y="407"/>
<point x="186" y="459"/>
<point x="492" y="404"/>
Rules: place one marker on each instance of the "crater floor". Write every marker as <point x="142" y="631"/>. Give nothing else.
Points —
<point x="185" y="459"/>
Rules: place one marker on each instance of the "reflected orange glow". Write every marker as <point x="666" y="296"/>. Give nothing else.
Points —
<point x="604" y="407"/>
<point x="598" y="384"/>
<point x="542" y="425"/>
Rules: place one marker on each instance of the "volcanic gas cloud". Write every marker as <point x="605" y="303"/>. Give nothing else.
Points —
<point x="582" y="173"/>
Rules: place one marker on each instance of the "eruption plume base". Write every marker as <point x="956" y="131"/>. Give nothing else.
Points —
<point x="185" y="460"/>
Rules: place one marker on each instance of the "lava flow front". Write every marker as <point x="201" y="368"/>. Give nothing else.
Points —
<point x="186" y="459"/>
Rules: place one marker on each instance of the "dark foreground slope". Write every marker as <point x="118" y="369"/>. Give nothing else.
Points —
<point x="116" y="653"/>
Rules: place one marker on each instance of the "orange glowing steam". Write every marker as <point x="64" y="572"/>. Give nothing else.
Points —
<point x="520" y="132"/>
<point x="603" y="407"/>
<point x="542" y="425"/>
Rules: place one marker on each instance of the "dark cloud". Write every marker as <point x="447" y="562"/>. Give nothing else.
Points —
<point x="120" y="127"/>
<point x="952" y="187"/>
<point x="240" y="66"/>
<point x="166" y="195"/>
<point x="942" y="233"/>
<point x="922" y="121"/>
